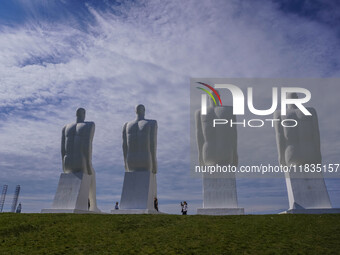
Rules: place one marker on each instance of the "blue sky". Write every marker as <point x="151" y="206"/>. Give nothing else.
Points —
<point x="108" y="56"/>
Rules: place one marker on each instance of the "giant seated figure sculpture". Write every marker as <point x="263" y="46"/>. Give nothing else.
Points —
<point x="139" y="150"/>
<point x="217" y="145"/>
<point x="76" y="190"/>
<point x="300" y="145"/>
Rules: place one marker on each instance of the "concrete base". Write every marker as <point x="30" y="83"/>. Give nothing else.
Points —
<point x="312" y="211"/>
<point x="72" y="194"/>
<point x="220" y="211"/>
<point x="304" y="192"/>
<point x="135" y="211"/>
<point x="219" y="192"/>
<point x="67" y="211"/>
<point x="139" y="191"/>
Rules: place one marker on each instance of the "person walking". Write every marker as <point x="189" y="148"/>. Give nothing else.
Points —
<point x="116" y="206"/>
<point x="155" y="203"/>
<point x="184" y="206"/>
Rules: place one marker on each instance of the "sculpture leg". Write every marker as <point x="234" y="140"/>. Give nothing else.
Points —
<point x="92" y="194"/>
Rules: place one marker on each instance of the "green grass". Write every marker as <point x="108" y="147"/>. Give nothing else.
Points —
<point x="168" y="234"/>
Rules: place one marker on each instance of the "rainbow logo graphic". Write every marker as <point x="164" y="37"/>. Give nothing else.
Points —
<point x="209" y="93"/>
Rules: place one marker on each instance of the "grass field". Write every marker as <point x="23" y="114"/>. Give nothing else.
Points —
<point x="168" y="234"/>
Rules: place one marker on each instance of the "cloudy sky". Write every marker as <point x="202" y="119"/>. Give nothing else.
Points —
<point x="108" y="56"/>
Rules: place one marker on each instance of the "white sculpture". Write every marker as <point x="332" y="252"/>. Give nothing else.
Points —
<point x="300" y="145"/>
<point x="139" y="150"/>
<point x="218" y="145"/>
<point x="77" y="185"/>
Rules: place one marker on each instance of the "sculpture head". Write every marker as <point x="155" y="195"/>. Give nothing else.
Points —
<point x="80" y="115"/>
<point x="140" y="111"/>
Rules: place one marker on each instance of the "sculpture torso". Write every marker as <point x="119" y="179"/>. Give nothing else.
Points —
<point x="77" y="146"/>
<point x="301" y="143"/>
<point x="219" y="143"/>
<point x="141" y="142"/>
